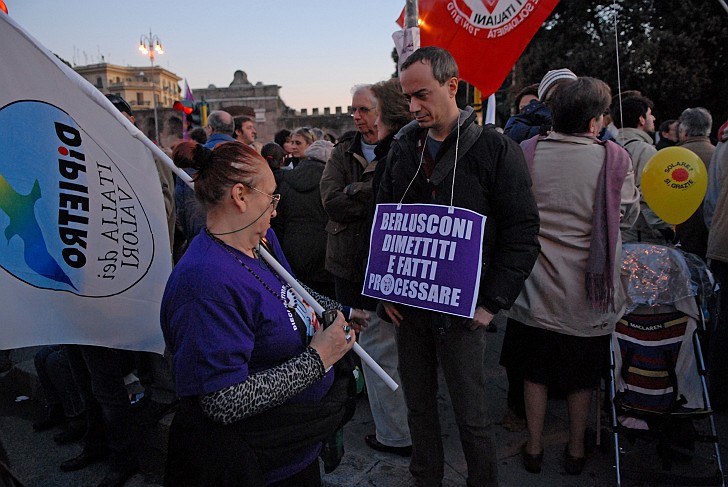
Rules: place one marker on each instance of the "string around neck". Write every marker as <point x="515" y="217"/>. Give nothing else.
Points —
<point x="239" y="229"/>
<point x="455" y="167"/>
<point x="422" y="158"/>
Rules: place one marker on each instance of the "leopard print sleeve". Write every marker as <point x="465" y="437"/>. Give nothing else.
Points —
<point x="264" y="390"/>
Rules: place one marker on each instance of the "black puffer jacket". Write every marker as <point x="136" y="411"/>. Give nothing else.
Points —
<point x="491" y="179"/>
<point x="301" y="221"/>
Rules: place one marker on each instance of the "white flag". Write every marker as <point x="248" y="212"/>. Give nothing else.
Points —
<point x="84" y="249"/>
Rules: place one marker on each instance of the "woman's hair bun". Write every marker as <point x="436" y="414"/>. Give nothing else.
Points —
<point x="202" y="157"/>
<point x="192" y="155"/>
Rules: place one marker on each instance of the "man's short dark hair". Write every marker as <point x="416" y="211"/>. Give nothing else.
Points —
<point x="120" y="103"/>
<point x="443" y="64"/>
<point x="665" y="126"/>
<point x="633" y="107"/>
<point x="198" y="135"/>
<point x="240" y="121"/>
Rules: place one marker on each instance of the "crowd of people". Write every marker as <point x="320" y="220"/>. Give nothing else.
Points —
<point x="262" y="386"/>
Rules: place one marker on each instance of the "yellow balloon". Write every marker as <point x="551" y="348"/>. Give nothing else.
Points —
<point x="674" y="182"/>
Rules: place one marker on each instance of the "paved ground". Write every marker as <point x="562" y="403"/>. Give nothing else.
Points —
<point x="34" y="457"/>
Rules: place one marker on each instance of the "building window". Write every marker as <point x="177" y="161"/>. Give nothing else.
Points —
<point x="259" y="115"/>
<point x="99" y="84"/>
<point x="118" y="80"/>
<point x="140" y="98"/>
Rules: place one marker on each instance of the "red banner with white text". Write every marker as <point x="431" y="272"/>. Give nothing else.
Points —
<point x="486" y="37"/>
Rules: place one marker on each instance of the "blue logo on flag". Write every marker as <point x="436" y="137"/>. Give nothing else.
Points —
<point x="70" y="219"/>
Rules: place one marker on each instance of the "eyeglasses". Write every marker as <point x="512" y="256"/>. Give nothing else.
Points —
<point x="363" y="110"/>
<point x="274" y="198"/>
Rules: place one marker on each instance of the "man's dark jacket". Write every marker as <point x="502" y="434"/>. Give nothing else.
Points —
<point x="492" y="179"/>
<point x="346" y="192"/>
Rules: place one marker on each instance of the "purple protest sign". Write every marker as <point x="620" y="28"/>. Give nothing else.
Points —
<point x="427" y="256"/>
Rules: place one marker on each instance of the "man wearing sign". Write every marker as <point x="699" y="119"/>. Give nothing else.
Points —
<point x="446" y="159"/>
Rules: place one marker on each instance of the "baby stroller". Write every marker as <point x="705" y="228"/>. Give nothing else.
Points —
<point x="659" y="398"/>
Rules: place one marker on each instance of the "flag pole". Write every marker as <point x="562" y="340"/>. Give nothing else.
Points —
<point x="490" y="110"/>
<point x="410" y="15"/>
<point x="407" y="40"/>
<point x="159" y="154"/>
<point x="366" y="358"/>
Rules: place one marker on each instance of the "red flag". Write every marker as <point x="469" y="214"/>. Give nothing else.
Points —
<point x="485" y="37"/>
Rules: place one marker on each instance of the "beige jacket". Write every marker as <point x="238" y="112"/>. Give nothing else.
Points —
<point x="718" y="236"/>
<point x="564" y="184"/>
<point x="647" y="227"/>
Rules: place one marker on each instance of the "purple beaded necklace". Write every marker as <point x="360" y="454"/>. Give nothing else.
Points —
<point x="289" y="301"/>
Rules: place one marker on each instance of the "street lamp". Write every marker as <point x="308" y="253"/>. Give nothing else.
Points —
<point x="149" y="45"/>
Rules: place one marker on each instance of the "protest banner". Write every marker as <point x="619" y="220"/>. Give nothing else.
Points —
<point x="426" y="256"/>
<point x="86" y="251"/>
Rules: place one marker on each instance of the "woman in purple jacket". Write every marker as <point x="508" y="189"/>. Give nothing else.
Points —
<point x="253" y="368"/>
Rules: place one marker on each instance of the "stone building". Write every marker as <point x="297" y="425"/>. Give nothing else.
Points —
<point x="136" y="84"/>
<point x="263" y="102"/>
<point x="260" y="101"/>
<point x="336" y="123"/>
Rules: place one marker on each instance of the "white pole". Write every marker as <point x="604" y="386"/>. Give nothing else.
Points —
<point x="724" y="5"/>
<point x="320" y="310"/>
<point x="490" y="111"/>
<point x="160" y="155"/>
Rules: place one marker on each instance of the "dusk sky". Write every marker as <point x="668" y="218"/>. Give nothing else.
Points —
<point x="316" y="50"/>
